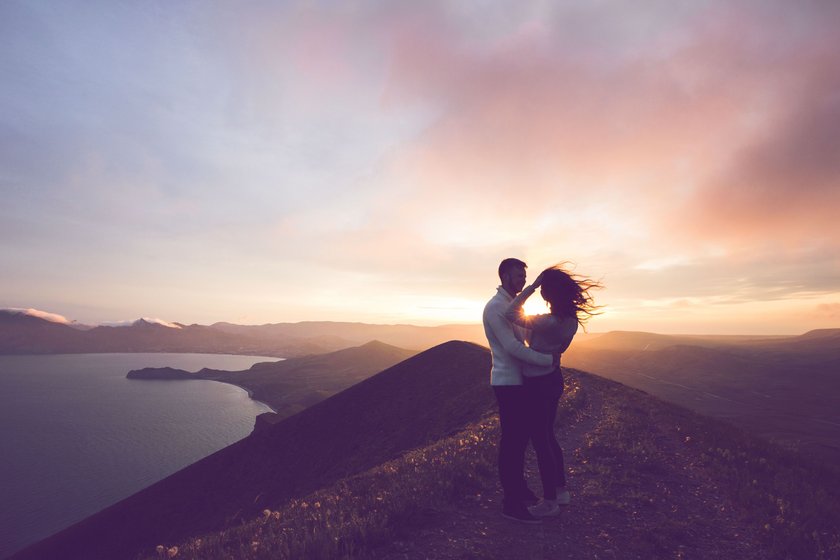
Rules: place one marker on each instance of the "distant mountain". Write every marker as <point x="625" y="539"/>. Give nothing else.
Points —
<point x="291" y="385"/>
<point x="818" y="341"/>
<point x="783" y="388"/>
<point x="28" y="333"/>
<point x="821" y="334"/>
<point x="46" y="315"/>
<point x="408" y="405"/>
<point x="351" y="334"/>
<point x="645" y="341"/>
<point x="22" y="333"/>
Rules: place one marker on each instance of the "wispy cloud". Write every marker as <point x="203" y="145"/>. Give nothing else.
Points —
<point x="150" y="320"/>
<point x="46" y="315"/>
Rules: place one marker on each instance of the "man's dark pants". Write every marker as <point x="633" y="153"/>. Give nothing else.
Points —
<point x="515" y="425"/>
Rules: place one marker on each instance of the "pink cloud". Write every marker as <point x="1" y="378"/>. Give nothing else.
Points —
<point x="523" y="113"/>
<point x="784" y="182"/>
<point x="728" y="132"/>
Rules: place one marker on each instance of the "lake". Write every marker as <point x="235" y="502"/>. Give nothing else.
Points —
<point x="76" y="436"/>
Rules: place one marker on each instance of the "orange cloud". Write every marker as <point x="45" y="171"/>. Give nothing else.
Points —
<point x="829" y="310"/>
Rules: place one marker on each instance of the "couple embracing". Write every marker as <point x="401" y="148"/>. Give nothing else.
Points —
<point x="528" y="382"/>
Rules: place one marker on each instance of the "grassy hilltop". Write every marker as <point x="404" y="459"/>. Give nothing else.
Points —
<point x="402" y="465"/>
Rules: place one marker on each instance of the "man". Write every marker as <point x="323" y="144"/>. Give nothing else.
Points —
<point x="508" y="352"/>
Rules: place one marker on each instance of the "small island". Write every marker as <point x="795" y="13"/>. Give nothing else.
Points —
<point x="161" y="373"/>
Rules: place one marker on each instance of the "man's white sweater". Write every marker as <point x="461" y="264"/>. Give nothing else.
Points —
<point x="506" y="346"/>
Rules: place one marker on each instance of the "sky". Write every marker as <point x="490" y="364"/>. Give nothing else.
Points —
<point x="261" y="162"/>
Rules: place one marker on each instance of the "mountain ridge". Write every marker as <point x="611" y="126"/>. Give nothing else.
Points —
<point x="22" y="333"/>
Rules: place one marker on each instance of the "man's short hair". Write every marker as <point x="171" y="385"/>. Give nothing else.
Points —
<point x="509" y="264"/>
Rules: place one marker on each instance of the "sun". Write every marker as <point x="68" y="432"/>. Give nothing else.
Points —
<point x="535" y="305"/>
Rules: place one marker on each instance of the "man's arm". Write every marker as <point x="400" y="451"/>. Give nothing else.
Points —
<point x="506" y="337"/>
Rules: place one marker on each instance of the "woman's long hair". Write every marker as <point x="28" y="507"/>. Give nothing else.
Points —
<point x="568" y="294"/>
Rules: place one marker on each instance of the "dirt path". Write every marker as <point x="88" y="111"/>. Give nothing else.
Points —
<point x="624" y="505"/>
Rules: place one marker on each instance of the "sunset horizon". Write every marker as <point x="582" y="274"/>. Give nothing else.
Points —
<point x="769" y="331"/>
<point x="374" y="162"/>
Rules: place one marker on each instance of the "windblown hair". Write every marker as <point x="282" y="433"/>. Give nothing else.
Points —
<point x="568" y="294"/>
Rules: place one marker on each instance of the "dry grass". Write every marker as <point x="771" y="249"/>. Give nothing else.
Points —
<point x="644" y="453"/>
<point x="642" y="465"/>
<point x="362" y="511"/>
<point x="795" y="500"/>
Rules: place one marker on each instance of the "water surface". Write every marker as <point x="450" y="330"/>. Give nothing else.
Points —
<point x="76" y="436"/>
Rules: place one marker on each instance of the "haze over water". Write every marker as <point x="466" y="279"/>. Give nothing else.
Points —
<point x="76" y="436"/>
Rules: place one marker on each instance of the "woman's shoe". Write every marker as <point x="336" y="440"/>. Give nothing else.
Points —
<point x="563" y="497"/>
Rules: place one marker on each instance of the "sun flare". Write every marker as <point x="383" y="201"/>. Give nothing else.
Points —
<point x="535" y="305"/>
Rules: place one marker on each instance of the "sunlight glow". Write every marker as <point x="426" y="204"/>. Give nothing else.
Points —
<point x="535" y="305"/>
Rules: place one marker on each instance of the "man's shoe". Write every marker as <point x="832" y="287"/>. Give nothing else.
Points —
<point x="546" y="508"/>
<point x="520" y="513"/>
<point x="563" y="497"/>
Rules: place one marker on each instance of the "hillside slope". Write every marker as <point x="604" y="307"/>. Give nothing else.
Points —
<point x="649" y="480"/>
<point x="406" y="406"/>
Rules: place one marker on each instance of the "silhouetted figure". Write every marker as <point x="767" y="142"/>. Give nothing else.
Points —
<point x="509" y="353"/>
<point x="570" y="304"/>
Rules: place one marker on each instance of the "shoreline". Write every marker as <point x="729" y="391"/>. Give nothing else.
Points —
<point x="250" y="394"/>
<point x="197" y="375"/>
<point x="246" y="389"/>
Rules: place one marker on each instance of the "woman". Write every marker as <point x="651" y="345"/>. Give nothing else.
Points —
<point x="570" y="305"/>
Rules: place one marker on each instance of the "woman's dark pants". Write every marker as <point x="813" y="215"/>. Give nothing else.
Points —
<point x="543" y="393"/>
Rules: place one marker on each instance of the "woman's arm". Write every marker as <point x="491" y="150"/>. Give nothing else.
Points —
<point x="515" y="313"/>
